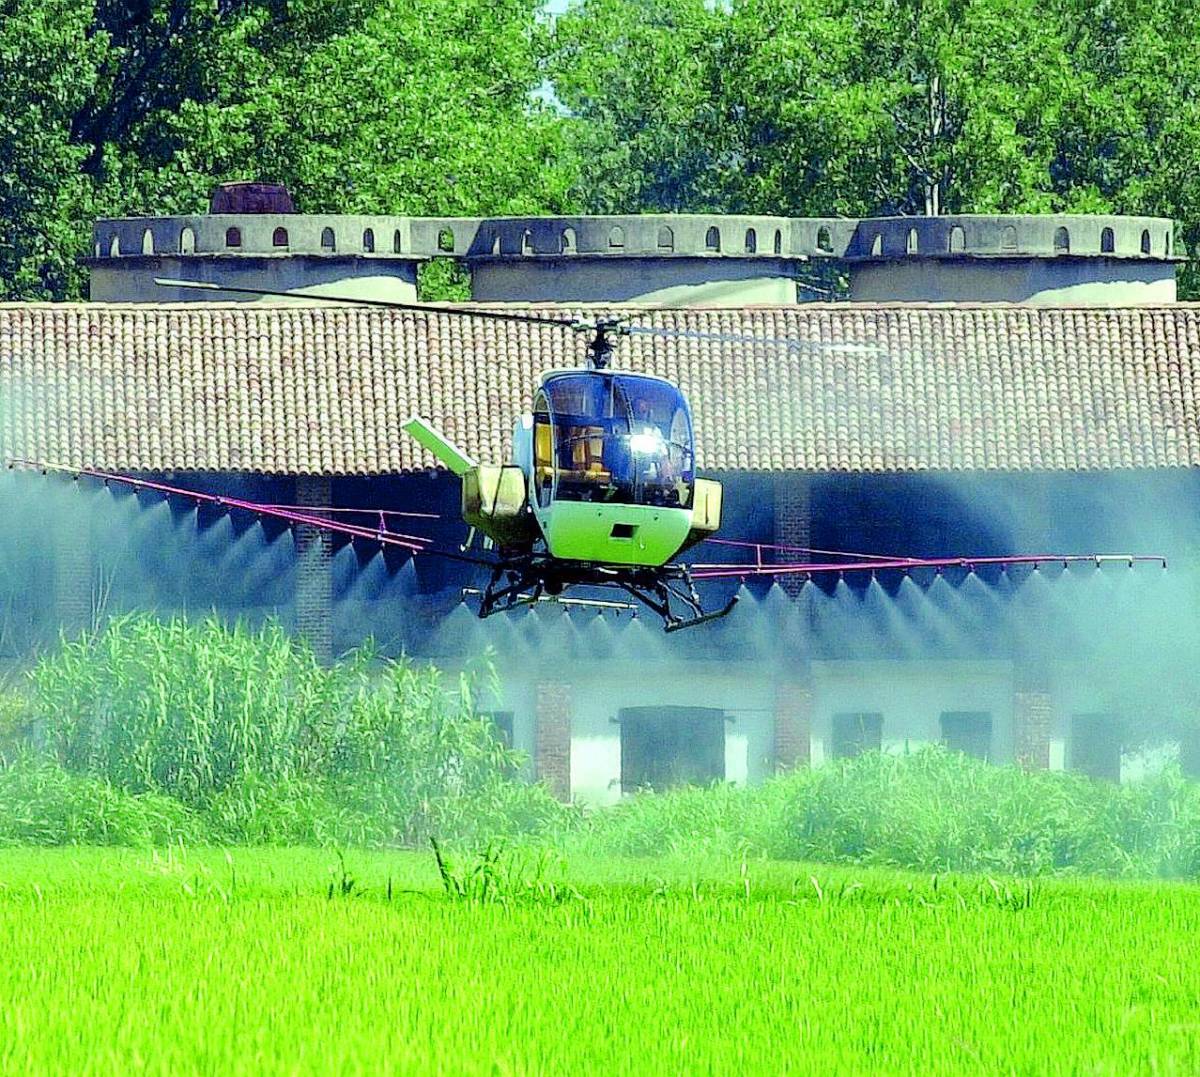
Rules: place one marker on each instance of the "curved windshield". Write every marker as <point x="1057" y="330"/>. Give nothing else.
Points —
<point x="620" y="438"/>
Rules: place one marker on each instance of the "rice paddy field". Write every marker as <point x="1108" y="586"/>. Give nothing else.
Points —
<point x="299" y="960"/>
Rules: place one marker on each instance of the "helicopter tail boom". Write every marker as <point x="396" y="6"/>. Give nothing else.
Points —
<point x="429" y="436"/>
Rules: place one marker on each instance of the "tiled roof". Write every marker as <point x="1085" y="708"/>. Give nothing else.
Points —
<point x="323" y="390"/>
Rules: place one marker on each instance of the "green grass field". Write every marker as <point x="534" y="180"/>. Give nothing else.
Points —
<point x="212" y="962"/>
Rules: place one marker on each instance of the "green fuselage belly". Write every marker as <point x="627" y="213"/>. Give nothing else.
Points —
<point x="584" y="531"/>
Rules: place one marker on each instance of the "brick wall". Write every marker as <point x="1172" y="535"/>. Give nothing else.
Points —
<point x="793" y="521"/>
<point x="793" y="723"/>
<point x="1033" y="718"/>
<point x="552" y="745"/>
<point x="314" y="577"/>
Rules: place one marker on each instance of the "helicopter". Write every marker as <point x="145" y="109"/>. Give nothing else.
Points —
<point x="601" y="489"/>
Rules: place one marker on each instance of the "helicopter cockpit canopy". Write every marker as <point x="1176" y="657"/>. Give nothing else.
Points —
<point x="618" y="438"/>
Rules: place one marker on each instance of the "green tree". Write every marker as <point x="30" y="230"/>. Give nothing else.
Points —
<point x="356" y="105"/>
<point x="47" y="71"/>
<point x="886" y="106"/>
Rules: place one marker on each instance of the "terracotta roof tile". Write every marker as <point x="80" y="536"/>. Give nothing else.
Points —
<point x="294" y="390"/>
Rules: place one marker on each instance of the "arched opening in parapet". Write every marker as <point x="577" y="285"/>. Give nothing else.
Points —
<point x="616" y="237"/>
<point x="1146" y="241"/>
<point x="527" y="242"/>
<point x="712" y="239"/>
<point x="911" y="244"/>
<point x="397" y="242"/>
<point x="751" y="241"/>
<point x="279" y="238"/>
<point x="233" y="237"/>
<point x="778" y="241"/>
<point x="328" y="243"/>
<point x="1062" y="240"/>
<point x="1008" y="238"/>
<point x="445" y="241"/>
<point x="824" y="241"/>
<point x="114" y="247"/>
<point x="877" y="243"/>
<point x="1107" y="241"/>
<point x="568" y="241"/>
<point x="369" y="240"/>
<point x="187" y="241"/>
<point x="958" y="240"/>
<point x="147" y="242"/>
<point x="495" y="242"/>
<point x="666" y="239"/>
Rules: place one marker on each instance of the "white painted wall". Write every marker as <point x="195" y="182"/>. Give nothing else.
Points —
<point x="911" y="697"/>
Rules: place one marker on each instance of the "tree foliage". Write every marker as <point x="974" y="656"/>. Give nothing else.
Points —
<point x="885" y="107"/>
<point x="439" y="107"/>
<point x="357" y="105"/>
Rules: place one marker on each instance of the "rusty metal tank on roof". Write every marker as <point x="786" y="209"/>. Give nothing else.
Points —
<point x="246" y="197"/>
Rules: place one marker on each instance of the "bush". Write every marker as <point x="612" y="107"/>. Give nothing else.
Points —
<point x="931" y="810"/>
<point x="42" y="804"/>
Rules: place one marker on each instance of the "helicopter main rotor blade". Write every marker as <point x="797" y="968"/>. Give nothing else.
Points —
<point x="618" y="326"/>
<point x="782" y="343"/>
<point x="386" y="304"/>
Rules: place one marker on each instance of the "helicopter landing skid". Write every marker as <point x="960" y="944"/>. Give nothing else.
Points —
<point x="668" y="591"/>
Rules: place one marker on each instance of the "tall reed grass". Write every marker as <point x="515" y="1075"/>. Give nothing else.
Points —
<point x="253" y="740"/>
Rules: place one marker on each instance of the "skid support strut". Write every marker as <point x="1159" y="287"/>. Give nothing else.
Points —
<point x="668" y="591"/>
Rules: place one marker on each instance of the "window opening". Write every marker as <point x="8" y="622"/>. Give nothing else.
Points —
<point x="1095" y="747"/>
<point x="856" y="732"/>
<point x="502" y="725"/>
<point x="969" y="732"/>
<point x="1107" y="244"/>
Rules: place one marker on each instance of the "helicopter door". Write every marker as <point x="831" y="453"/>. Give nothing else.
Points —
<point x="543" y="454"/>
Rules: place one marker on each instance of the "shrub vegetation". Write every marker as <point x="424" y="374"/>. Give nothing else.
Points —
<point x="153" y="732"/>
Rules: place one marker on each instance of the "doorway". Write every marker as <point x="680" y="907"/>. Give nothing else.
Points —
<point x="666" y="746"/>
